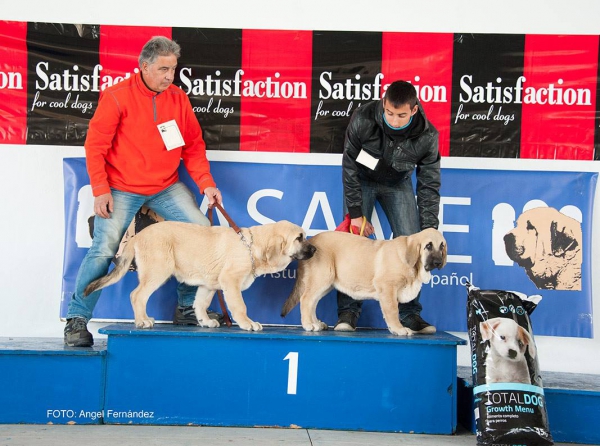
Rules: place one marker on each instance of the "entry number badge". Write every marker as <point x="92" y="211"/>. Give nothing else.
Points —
<point x="367" y="160"/>
<point x="169" y="131"/>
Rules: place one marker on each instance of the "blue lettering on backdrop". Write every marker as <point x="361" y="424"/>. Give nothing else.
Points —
<point x="478" y="208"/>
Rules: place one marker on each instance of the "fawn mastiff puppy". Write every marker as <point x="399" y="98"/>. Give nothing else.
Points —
<point x="211" y="257"/>
<point x="389" y="271"/>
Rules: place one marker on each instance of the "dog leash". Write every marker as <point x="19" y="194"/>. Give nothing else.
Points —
<point x="237" y="229"/>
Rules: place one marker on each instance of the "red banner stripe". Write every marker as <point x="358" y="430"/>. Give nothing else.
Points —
<point x="276" y="91"/>
<point x="13" y="82"/>
<point x="559" y="90"/>
<point x="425" y="60"/>
<point x="120" y="47"/>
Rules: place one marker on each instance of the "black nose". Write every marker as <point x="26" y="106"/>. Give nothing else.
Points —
<point x="509" y="242"/>
<point x="306" y="252"/>
<point x="512" y="354"/>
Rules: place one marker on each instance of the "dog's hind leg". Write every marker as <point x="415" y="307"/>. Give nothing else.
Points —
<point x="204" y="297"/>
<point x="139" y="299"/>
<point x="308" y="306"/>
<point x="140" y="295"/>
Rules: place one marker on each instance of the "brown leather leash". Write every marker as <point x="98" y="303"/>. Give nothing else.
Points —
<point x="238" y="231"/>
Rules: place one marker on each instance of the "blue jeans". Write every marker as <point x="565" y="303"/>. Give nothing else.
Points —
<point x="173" y="203"/>
<point x="400" y="207"/>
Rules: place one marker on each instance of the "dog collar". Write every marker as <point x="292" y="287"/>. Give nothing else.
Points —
<point x="249" y="246"/>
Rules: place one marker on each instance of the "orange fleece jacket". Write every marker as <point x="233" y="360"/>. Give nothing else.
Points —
<point x="124" y="149"/>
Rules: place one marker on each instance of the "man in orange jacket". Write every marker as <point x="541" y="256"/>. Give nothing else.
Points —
<point x="142" y="128"/>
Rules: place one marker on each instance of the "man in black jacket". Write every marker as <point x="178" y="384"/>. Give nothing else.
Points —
<point x="385" y="141"/>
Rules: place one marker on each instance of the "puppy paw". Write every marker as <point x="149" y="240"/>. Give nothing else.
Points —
<point x="401" y="331"/>
<point x="256" y="326"/>
<point x="315" y="326"/>
<point x="250" y="325"/>
<point x="145" y="323"/>
<point x="209" y="323"/>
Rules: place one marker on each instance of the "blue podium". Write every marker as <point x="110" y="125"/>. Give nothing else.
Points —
<point x="45" y="382"/>
<point x="281" y="377"/>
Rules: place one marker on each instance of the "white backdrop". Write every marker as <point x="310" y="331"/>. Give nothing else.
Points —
<point x="31" y="185"/>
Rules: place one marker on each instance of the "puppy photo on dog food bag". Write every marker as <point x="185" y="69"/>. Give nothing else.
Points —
<point x="548" y="245"/>
<point x="508" y="342"/>
<point x="210" y="257"/>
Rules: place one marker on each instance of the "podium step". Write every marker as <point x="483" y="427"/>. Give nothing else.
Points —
<point x="572" y="404"/>
<point x="45" y="382"/>
<point x="281" y="377"/>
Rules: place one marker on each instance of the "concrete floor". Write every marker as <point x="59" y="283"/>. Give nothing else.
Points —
<point x="123" y="435"/>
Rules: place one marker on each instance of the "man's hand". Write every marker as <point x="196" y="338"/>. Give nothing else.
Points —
<point x="357" y="223"/>
<point x="214" y="196"/>
<point x="103" y="205"/>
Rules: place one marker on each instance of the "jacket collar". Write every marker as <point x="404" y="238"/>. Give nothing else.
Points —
<point x="143" y="87"/>
<point x="379" y="115"/>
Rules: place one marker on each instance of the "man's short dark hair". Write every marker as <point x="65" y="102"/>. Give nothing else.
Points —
<point x="401" y="92"/>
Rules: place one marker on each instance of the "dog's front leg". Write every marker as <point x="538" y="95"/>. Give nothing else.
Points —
<point x="235" y="303"/>
<point x="389" y="308"/>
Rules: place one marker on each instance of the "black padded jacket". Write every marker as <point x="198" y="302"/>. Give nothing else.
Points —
<point x="398" y="159"/>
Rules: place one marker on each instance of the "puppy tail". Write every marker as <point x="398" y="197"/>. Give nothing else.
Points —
<point x="116" y="274"/>
<point x="294" y="297"/>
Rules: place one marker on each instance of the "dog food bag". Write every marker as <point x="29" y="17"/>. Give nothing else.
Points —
<point x="509" y="403"/>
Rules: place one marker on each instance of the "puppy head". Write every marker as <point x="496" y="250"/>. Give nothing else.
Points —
<point x="427" y="250"/>
<point x="289" y="241"/>
<point x="542" y="232"/>
<point x="507" y="338"/>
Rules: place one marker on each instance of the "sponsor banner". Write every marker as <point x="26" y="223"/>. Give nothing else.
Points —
<point x="484" y="122"/>
<point x="208" y="71"/>
<point x="505" y="96"/>
<point x="559" y="88"/>
<point x="425" y="60"/>
<point x="346" y="71"/>
<point x="62" y="84"/>
<point x="276" y="91"/>
<point x="119" y="50"/>
<point x="523" y="236"/>
<point x="597" y="120"/>
<point x="13" y="82"/>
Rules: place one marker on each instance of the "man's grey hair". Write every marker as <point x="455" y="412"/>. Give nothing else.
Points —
<point x="158" y="46"/>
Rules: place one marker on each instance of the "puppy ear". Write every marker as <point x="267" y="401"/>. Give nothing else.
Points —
<point x="444" y="254"/>
<point x="413" y="251"/>
<point x="485" y="329"/>
<point x="488" y="327"/>
<point x="275" y="247"/>
<point x="562" y="239"/>
<point x="527" y="340"/>
<point x="542" y="241"/>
